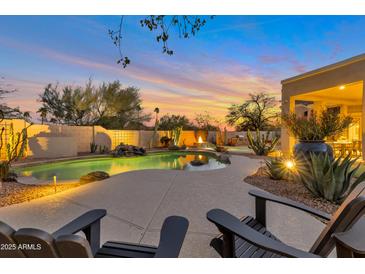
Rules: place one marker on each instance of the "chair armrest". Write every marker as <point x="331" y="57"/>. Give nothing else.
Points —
<point x="80" y="223"/>
<point x="228" y="224"/>
<point x="172" y="237"/>
<point x="89" y="223"/>
<point x="261" y="197"/>
<point x="350" y="243"/>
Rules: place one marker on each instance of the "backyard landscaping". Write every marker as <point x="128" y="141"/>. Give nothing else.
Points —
<point x="293" y="190"/>
<point x="142" y="206"/>
<point x="141" y="177"/>
<point x="189" y="154"/>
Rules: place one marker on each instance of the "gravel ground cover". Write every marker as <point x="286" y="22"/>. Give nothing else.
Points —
<point x="13" y="192"/>
<point x="289" y="189"/>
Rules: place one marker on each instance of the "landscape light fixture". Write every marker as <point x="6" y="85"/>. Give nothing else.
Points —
<point x="289" y="164"/>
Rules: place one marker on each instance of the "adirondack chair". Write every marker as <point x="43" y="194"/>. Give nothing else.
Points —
<point x="249" y="237"/>
<point x="36" y="243"/>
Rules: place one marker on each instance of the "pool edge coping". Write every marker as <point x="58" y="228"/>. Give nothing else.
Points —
<point x="85" y="157"/>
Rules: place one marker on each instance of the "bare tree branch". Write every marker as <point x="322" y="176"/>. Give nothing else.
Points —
<point x="185" y="26"/>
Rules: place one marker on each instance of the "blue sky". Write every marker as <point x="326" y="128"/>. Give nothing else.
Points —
<point x="230" y="57"/>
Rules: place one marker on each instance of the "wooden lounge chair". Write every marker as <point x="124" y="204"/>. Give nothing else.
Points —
<point x="249" y="237"/>
<point x="36" y="243"/>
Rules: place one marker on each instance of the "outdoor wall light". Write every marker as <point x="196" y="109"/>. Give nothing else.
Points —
<point x="342" y="87"/>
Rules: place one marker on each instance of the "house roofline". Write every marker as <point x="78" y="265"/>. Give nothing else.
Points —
<point x="333" y="66"/>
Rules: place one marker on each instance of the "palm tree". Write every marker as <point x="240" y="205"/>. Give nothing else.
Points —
<point x="157" y="111"/>
<point x="139" y="108"/>
<point x="43" y="114"/>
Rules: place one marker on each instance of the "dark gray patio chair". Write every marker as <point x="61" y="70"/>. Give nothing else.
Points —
<point x="249" y="237"/>
<point x="36" y="243"/>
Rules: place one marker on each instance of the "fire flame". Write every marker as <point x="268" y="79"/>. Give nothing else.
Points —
<point x="200" y="140"/>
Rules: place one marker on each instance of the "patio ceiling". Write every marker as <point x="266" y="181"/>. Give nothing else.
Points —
<point x="349" y="94"/>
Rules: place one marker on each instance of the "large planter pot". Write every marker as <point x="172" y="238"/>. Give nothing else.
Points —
<point x="317" y="147"/>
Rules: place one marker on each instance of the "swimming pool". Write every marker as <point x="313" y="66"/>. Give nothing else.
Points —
<point x="74" y="169"/>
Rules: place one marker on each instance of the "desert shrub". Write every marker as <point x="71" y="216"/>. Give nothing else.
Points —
<point x="15" y="146"/>
<point x="318" y="126"/>
<point x="93" y="147"/>
<point x="103" y="149"/>
<point x="165" y="141"/>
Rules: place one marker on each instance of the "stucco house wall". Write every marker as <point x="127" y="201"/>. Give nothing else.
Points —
<point x="341" y="73"/>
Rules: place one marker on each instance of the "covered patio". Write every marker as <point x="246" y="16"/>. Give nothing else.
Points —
<point x="338" y="86"/>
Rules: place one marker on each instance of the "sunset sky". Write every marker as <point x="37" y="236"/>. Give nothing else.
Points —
<point x="229" y="58"/>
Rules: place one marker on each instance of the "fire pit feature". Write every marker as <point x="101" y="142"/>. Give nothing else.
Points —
<point x="201" y="143"/>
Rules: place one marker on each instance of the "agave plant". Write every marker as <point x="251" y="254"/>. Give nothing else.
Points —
<point x="275" y="169"/>
<point x="330" y="179"/>
<point x="261" y="145"/>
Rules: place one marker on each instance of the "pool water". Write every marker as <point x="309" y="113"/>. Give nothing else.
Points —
<point x="73" y="170"/>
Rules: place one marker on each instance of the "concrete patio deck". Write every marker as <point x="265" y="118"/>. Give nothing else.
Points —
<point x="137" y="203"/>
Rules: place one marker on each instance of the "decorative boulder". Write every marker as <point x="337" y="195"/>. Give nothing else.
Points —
<point x="197" y="162"/>
<point x="220" y="149"/>
<point x="139" y="150"/>
<point x="94" y="176"/>
<point x="174" y="147"/>
<point x="128" y="150"/>
<point x="224" y="158"/>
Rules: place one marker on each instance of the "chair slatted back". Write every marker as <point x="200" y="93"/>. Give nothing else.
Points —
<point x="9" y="246"/>
<point x="350" y="211"/>
<point x="73" y="246"/>
<point x="35" y="243"/>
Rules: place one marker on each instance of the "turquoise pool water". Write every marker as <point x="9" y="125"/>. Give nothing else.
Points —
<point x="73" y="170"/>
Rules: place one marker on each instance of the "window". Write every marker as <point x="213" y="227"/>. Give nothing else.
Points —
<point x="335" y="110"/>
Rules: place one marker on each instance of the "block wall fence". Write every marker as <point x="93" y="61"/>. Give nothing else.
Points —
<point x="52" y="141"/>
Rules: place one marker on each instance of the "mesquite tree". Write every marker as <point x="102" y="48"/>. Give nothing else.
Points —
<point x="110" y="105"/>
<point x="258" y="112"/>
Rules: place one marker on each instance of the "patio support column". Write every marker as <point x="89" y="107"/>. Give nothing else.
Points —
<point x="287" y="142"/>
<point x="363" y="120"/>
